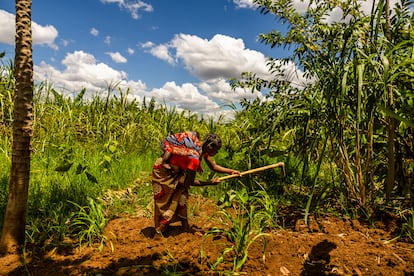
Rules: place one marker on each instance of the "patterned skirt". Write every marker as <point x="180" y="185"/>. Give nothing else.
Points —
<point x="170" y="194"/>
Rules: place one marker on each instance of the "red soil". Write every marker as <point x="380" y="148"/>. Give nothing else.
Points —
<point x="330" y="246"/>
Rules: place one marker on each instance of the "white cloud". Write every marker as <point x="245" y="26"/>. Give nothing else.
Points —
<point x="186" y="96"/>
<point x="147" y="44"/>
<point x="43" y="35"/>
<point x="80" y="65"/>
<point x="301" y="6"/>
<point x="82" y="71"/>
<point x="133" y="7"/>
<point x="220" y="57"/>
<point x="212" y="61"/>
<point x="7" y="27"/>
<point x="243" y="4"/>
<point x="220" y="90"/>
<point x="117" y="57"/>
<point x="64" y="42"/>
<point x="107" y="40"/>
<point x="161" y="52"/>
<point x="94" y="32"/>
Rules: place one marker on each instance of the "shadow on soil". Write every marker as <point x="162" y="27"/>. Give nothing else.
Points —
<point x="141" y="265"/>
<point x="319" y="259"/>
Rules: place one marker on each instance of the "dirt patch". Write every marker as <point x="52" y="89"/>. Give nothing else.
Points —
<point x="330" y="246"/>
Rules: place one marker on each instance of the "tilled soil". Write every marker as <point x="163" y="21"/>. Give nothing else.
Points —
<point x="329" y="246"/>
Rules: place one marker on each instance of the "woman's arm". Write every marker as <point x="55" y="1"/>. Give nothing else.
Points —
<point x="217" y="168"/>
<point x="165" y="159"/>
<point x="197" y="182"/>
<point x="191" y="181"/>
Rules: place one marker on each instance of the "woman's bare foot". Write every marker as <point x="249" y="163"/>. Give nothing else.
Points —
<point x="159" y="231"/>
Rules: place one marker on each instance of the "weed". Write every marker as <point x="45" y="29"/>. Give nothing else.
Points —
<point x="88" y="222"/>
<point x="407" y="228"/>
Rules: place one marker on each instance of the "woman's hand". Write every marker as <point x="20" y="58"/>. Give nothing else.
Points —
<point x="235" y="172"/>
<point x="215" y="181"/>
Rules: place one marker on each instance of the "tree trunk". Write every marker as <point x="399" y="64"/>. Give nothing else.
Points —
<point x="13" y="233"/>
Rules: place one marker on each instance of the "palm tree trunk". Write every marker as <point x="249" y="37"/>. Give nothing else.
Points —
<point x="13" y="233"/>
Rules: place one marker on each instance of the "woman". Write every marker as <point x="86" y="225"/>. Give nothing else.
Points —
<point x="175" y="171"/>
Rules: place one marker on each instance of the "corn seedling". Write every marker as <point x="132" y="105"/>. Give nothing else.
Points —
<point x="170" y="262"/>
<point x="238" y="229"/>
<point x="267" y="210"/>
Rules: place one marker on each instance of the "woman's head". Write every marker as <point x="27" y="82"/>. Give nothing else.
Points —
<point x="211" y="144"/>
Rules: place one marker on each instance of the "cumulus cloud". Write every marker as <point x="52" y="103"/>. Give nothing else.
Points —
<point x="80" y="66"/>
<point x="162" y="52"/>
<point x="7" y="27"/>
<point x="147" y="44"/>
<point x="117" y="57"/>
<point x="365" y="6"/>
<point x="212" y="61"/>
<point x="301" y="6"/>
<point x="94" y="32"/>
<point x="42" y="35"/>
<point x="186" y="96"/>
<point x="243" y="4"/>
<point x="45" y="35"/>
<point x="133" y="7"/>
<point x="220" y="91"/>
<point x="221" y="57"/>
<point x="83" y="71"/>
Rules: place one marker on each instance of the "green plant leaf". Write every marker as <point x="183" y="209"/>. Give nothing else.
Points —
<point x="91" y="178"/>
<point x="64" y="167"/>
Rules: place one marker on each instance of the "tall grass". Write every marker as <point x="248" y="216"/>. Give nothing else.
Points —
<point x="83" y="148"/>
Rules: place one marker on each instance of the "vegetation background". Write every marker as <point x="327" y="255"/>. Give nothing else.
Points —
<point x="346" y="138"/>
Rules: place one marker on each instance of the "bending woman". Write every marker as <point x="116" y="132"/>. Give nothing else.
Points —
<point x="175" y="171"/>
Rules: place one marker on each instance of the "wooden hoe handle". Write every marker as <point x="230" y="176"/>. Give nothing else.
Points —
<point x="280" y="164"/>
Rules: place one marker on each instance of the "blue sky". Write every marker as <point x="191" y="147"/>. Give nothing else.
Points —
<point x="182" y="52"/>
